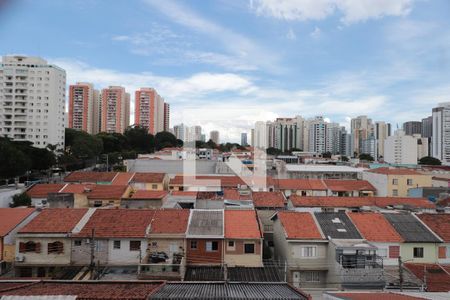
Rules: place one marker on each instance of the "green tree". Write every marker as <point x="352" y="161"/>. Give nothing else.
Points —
<point x="344" y="158"/>
<point x="21" y="200"/>
<point x="366" y="157"/>
<point x="273" y="151"/>
<point x="326" y="154"/>
<point x="139" y="139"/>
<point x="113" y="142"/>
<point x="210" y="144"/>
<point x="429" y="160"/>
<point x="13" y="162"/>
<point x="165" y="139"/>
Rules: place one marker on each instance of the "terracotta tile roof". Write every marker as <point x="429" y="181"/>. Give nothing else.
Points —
<point x="101" y="191"/>
<point x="437" y="279"/>
<point x="332" y="201"/>
<point x="337" y="185"/>
<point x="169" y="221"/>
<point x="241" y="224"/>
<point x="299" y="225"/>
<point x="122" y="178"/>
<point x="268" y="199"/>
<point x="439" y="223"/>
<point x="124" y="223"/>
<point x="395" y="171"/>
<point x="77" y="188"/>
<point x="80" y="176"/>
<point x="55" y="220"/>
<point x="10" y="218"/>
<point x="184" y="193"/>
<point x="135" y="290"/>
<point x="225" y="181"/>
<point x="374" y="227"/>
<point x="41" y="190"/>
<point x="373" y="296"/>
<point x="232" y="194"/>
<point x="145" y="194"/>
<point x="149" y="177"/>
<point x="301" y="184"/>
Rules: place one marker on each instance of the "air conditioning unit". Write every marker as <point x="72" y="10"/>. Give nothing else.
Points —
<point x="87" y="241"/>
<point x="20" y="258"/>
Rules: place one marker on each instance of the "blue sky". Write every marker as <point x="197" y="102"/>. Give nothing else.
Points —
<point x="225" y="64"/>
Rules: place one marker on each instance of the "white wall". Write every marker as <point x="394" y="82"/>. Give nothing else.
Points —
<point x="124" y="256"/>
<point x="379" y="181"/>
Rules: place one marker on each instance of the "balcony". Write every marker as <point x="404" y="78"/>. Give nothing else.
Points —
<point x="158" y="266"/>
<point x="361" y="271"/>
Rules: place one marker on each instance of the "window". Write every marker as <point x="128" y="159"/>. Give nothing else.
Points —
<point x="231" y="245"/>
<point x="135" y="245"/>
<point x="418" y="252"/>
<point x="394" y="193"/>
<point x="310" y="251"/>
<point x="409" y="181"/>
<point x="382" y="252"/>
<point x="311" y="276"/>
<point x="154" y="186"/>
<point x="249" y="248"/>
<point x="30" y="247"/>
<point x="395" y="181"/>
<point x="116" y="245"/>
<point x="212" y="246"/>
<point x="55" y="247"/>
<point x="193" y="244"/>
<point x="77" y="242"/>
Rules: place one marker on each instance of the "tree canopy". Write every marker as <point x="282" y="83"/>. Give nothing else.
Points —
<point x="429" y="160"/>
<point x="365" y="156"/>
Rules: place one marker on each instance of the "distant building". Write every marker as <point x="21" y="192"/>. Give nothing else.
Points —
<point x="427" y="130"/>
<point x="317" y="135"/>
<point x="286" y="133"/>
<point x="370" y="146"/>
<point x="84" y="108"/>
<point x="166" y="116"/>
<point x="332" y="140"/>
<point x="244" y="139"/>
<point x="400" y="148"/>
<point x="412" y="127"/>
<point x="180" y="131"/>
<point x="115" y="109"/>
<point x="150" y="110"/>
<point x="382" y="132"/>
<point x="214" y="136"/>
<point x="441" y="133"/>
<point x="361" y="128"/>
<point x="32" y="99"/>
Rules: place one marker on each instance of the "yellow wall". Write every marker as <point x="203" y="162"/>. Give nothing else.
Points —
<point x="429" y="252"/>
<point x="402" y="186"/>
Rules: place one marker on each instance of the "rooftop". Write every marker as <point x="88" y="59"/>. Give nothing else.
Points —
<point x="169" y="221"/>
<point x="10" y="218"/>
<point x="410" y="228"/>
<point x="146" y="194"/>
<point x="299" y="225"/>
<point x="395" y="171"/>
<point x="370" y="296"/>
<point x="122" y="178"/>
<point x="83" y="176"/>
<point x="225" y="181"/>
<point x="241" y="224"/>
<point x="207" y="223"/>
<point x="337" y="185"/>
<point x="149" y="177"/>
<point x="55" y="220"/>
<point x="382" y="232"/>
<point x="437" y="276"/>
<point x="322" y="168"/>
<point x="101" y="191"/>
<point x="439" y="223"/>
<point x="268" y="199"/>
<point x="301" y="184"/>
<point x="337" y="225"/>
<point x="41" y="190"/>
<point x="77" y="188"/>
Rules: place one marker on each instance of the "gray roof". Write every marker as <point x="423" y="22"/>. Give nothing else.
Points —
<point x="205" y="223"/>
<point x="337" y="225"/>
<point x="410" y="228"/>
<point x="222" y="290"/>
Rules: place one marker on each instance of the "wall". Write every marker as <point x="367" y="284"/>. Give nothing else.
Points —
<point x="200" y="255"/>
<point x="402" y="187"/>
<point x="166" y="245"/>
<point x="132" y="203"/>
<point x="43" y="258"/>
<point x="384" y="247"/>
<point x="124" y="256"/>
<point x="236" y="256"/>
<point x="379" y="181"/>
<point x="81" y="255"/>
<point x="429" y="255"/>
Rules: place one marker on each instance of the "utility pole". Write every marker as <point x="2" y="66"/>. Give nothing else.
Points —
<point x="400" y="273"/>
<point x="92" y="264"/>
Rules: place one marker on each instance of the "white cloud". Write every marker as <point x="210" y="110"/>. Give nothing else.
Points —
<point x="315" y="34"/>
<point x="352" y="10"/>
<point x="291" y="35"/>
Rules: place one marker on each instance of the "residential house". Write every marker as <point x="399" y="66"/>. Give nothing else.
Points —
<point x="379" y="232"/>
<point x="90" y="177"/>
<point x="39" y="192"/>
<point x="122" y="178"/>
<point x="352" y="261"/>
<point x="205" y="183"/>
<point x="43" y="246"/>
<point x="204" y="237"/>
<point x="149" y="181"/>
<point x="395" y="182"/>
<point x="300" y="243"/>
<point x="349" y="188"/>
<point x="243" y="239"/>
<point x="266" y="204"/>
<point x="301" y="187"/>
<point x="439" y="224"/>
<point x="145" y="199"/>
<point x="107" y="195"/>
<point x="435" y="278"/>
<point x="181" y="199"/>
<point x="420" y="244"/>
<point x="11" y="221"/>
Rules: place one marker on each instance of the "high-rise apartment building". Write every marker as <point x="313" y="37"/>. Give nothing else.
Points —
<point x="166" y="116"/>
<point x="180" y="131"/>
<point x="214" y="136"/>
<point x="149" y="110"/>
<point x="440" y="145"/>
<point x="83" y="107"/>
<point x="115" y="109"/>
<point x="244" y="139"/>
<point x="382" y="132"/>
<point x="400" y="149"/>
<point x="333" y="140"/>
<point x="32" y="101"/>
<point x="286" y="133"/>
<point x="412" y="127"/>
<point x="427" y="131"/>
<point x="361" y="128"/>
<point x="317" y="135"/>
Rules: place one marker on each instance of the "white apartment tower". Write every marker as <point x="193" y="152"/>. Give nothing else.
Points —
<point x="440" y="145"/>
<point x="400" y="149"/>
<point x="287" y="133"/>
<point x="317" y="135"/>
<point x="84" y="107"/>
<point x="32" y="101"/>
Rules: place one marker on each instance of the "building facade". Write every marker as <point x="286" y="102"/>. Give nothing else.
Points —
<point x="400" y="149"/>
<point x="149" y="110"/>
<point x="166" y="116"/>
<point x="84" y="108"/>
<point x="115" y="109"/>
<point x="382" y="132"/>
<point x="440" y="145"/>
<point x="214" y="136"/>
<point x="412" y="127"/>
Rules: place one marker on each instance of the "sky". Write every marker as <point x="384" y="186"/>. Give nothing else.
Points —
<point x="226" y="64"/>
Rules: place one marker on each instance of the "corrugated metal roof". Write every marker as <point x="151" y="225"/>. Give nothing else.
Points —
<point x="410" y="228"/>
<point x="214" y="290"/>
<point x="337" y="225"/>
<point x="208" y="223"/>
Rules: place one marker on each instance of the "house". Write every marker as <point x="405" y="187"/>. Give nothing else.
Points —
<point x="301" y="244"/>
<point x="11" y="221"/>
<point x="420" y="244"/>
<point x="91" y="177"/>
<point x="149" y="181"/>
<point x="39" y="192"/>
<point x="379" y="232"/>
<point x="243" y="239"/>
<point x="145" y="199"/>
<point x="122" y="178"/>
<point x="352" y="262"/>
<point x="43" y="246"/>
<point x="439" y="224"/>
<point x="106" y="195"/>
<point x="266" y="204"/>
<point x="181" y="199"/>
<point x="301" y="187"/>
<point x="349" y="188"/>
<point x="72" y="195"/>
<point x="119" y="236"/>
<point x="204" y="237"/>
<point x="395" y="182"/>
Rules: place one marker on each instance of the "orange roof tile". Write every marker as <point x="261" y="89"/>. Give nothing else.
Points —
<point x="41" y="190"/>
<point x="268" y="199"/>
<point x="125" y="223"/>
<point x="439" y="223"/>
<point x="241" y="224"/>
<point x="374" y="227"/>
<point x="82" y="176"/>
<point x="299" y="225"/>
<point x="395" y="171"/>
<point x="373" y="296"/>
<point x="145" y="194"/>
<point x="122" y="178"/>
<point x="169" y="221"/>
<point x="232" y="194"/>
<point x="338" y="185"/>
<point x="225" y="181"/>
<point x="55" y="220"/>
<point x="437" y="279"/>
<point x="414" y="202"/>
<point x="301" y="184"/>
<point x="184" y="193"/>
<point x="12" y="217"/>
<point x="77" y="188"/>
<point x="149" y="177"/>
<point x="101" y="191"/>
<point x="330" y="201"/>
